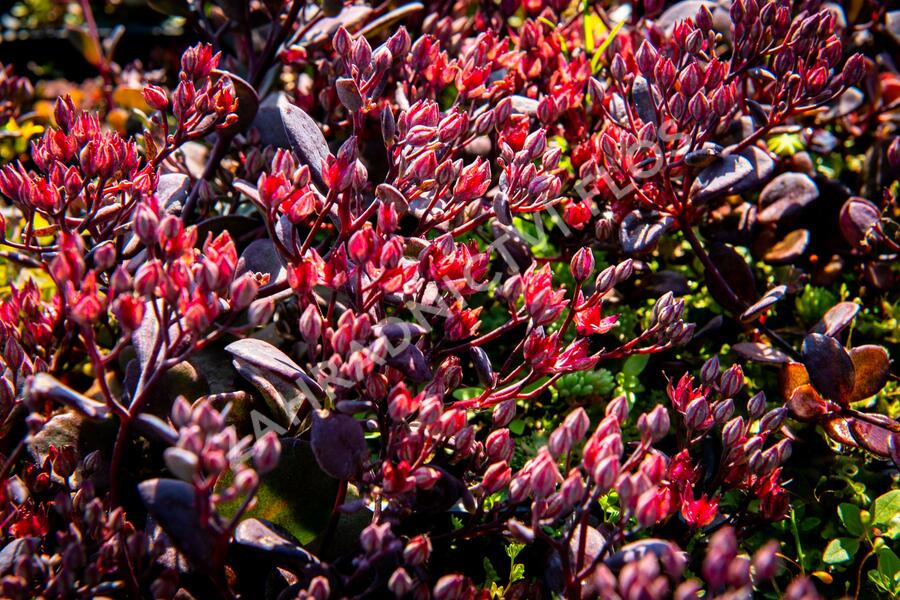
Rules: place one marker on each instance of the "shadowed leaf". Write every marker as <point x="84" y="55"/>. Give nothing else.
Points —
<point x="829" y="366"/>
<point x="789" y="249"/>
<point x="760" y="352"/>
<point x="338" y="444"/>
<point x="806" y="404"/>
<point x="836" y="319"/>
<point x="733" y="174"/>
<point x="639" y="232"/>
<point x="737" y="274"/>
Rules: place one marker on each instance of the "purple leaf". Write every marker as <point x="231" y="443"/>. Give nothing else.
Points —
<point x="338" y="444"/>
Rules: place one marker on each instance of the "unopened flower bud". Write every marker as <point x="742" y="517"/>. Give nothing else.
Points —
<point x="756" y="405"/>
<point x="266" y="452"/>
<point x="731" y="381"/>
<point x="582" y="264"/>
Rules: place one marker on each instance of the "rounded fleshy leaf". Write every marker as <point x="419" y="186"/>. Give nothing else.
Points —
<point x="737" y="274"/>
<point x="857" y="220"/>
<point x="873" y="438"/>
<point x="338" y="444"/>
<point x="837" y="318"/>
<point x="789" y="248"/>
<point x="759" y="352"/>
<point x="829" y="366"/>
<point x="792" y="376"/>
<point x="786" y="196"/>
<point x="733" y="174"/>
<point x="640" y="232"/>
<point x="872" y="367"/>
<point x="806" y="404"/>
<point x="765" y="303"/>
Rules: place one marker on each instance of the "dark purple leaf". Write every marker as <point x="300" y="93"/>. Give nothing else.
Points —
<point x="633" y="552"/>
<point x="639" y="232"/>
<point x="733" y="174"/>
<point x="764" y="303"/>
<point x="172" y="504"/>
<point x="44" y="386"/>
<point x="338" y="444"/>
<point x="272" y="542"/>
<point x="643" y="100"/>
<point x="267" y="357"/>
<point x="857" y="220"/>
<point x="261" y="256"/>
<point x="483" y="366"/>
<point x="785" y="196"/>
<point x="873" y="438"/>
<point x="172" y="191"/>
<point x="829" y="366"/>
<point x="737" y="274"/>
<point x="836" y="319"/>
<point x="411" y="362"/>
<point x="759" y="352"/>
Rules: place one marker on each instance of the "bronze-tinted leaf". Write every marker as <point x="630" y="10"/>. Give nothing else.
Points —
<point x="789" y="249"/>
<point x="764" y="303"/>
<point x="829" y="366"/>
<point x="836" y="319"/>
<point x="857" y="221"/>
<point x="838" y="429"/>
<point x="785" y="196"/>
<point x="733" y="174"/>
<point x="338" y="444"/>
<point x="640" y="231"/>
<point x="793" y="375"/>
<point x="759" y="352"/>
<point x="389" y="20"/>
<point x="872" y="367"/>
<point x="737" y="274"/>
<point x="873" y="438"/>
<point x="806" y="404"/>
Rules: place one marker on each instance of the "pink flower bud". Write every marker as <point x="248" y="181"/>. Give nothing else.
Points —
<point x="430" y="410"/>
<point x="773" y="419"/>
<point x="732" y="432"/>
<point x="266" y="452"/>
<point x="452" y="587"/>
<point x="145" y="224"/>
<point x="582" y="264"/>
<point x="731" y="381"/>
<point x="503" y="413"/>
<point x="319" y="588"/>
<point x="766" y="562"/>
<point x="156" y="97"/>
<point x="245" y="481"/>
<point x="499" y="446"/>
<point x="696" y="414"/>
<point x="496" y="477"/>
<point x="400" y="583"/>
<point x="560" y="441"/>
<point x="723" y="410"/>
<point x="243" y="291"/>
<point x="646" y="58"/>
<point x="417" y="550"/>
<point x="544" y="475"/>
<point x="756" y="405"/>
<point x="710" y="370"/>
<point x="260" y="311"/>
<point x="104" y="255"/>
<point x="658" y="423"/>
<point x="647" y="509"/>
<point x="854" y="69"/>
<point x="605" y="473"/>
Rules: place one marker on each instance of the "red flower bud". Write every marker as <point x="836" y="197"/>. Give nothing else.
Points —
<point x="156" y="97"/>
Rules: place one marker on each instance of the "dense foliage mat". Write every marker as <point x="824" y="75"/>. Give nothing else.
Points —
<point x="452" y="299"/>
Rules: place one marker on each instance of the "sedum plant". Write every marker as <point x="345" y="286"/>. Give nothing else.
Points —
<point x="429" y="301"/>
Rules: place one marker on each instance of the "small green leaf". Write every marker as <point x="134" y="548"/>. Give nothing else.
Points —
<point x="888" y="563"/>
<point x="886" y="509"/>
<point x="849" y="514"/>
<point x="490" y="573"/>
<point x="516" y="573"/>
<point x="513" y="550"/>
<point x="635" y="364"/>
<point x="517" y="426"/>
<point x="840" y="550"/>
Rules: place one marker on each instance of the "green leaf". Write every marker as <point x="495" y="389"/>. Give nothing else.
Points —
<point x="635" y="364"/>
<point x="516" y="573"/>
<point x="513" y="550"/>
<point x="886" y="510"/>
<point x="490" y="573"/>
<point x="888" y="563"/>
<point x="840" y="550"/>
<point x="517" y="426"/>
<point x="849" y="514"/>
